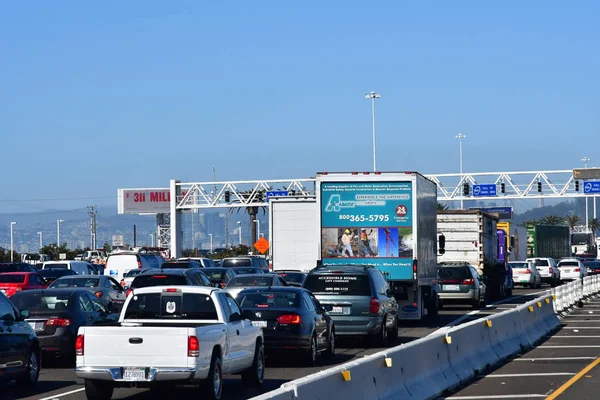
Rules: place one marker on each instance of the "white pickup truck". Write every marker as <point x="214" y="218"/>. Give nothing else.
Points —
<point x="171" y="335"/>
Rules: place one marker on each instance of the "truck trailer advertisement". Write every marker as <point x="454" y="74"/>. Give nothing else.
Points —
<point x="368" y="223"/>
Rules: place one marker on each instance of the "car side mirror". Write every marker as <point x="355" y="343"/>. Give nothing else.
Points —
<point x="24" y="314"/>
<point x="328" y="307"/>
<point x="248" y="314"/>
<point x="235" y="317"/>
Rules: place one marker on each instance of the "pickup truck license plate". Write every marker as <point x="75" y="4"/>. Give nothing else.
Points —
<point x="260" y="324"/>
<point x="337" y="309"/>
<point x="134" y="374"/>
<point x="451" y="287"/>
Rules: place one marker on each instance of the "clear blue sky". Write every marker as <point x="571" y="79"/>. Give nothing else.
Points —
<point x="131" y="94"/>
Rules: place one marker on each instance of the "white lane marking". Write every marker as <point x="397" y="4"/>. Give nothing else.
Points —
<point x="530" y="374"/>
<point x="57" y="396"/>
<point x="470" y="314"/>
<point x="554" y="358"/>
<point x="581" y="327"/>
<point x="568" y="347"/>
<point x="497" y="396"/>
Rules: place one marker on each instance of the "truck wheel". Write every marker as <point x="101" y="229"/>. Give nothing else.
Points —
<point x="433" y="308"/>
<point x="213" y="385"/>
<point x="98" y="390"/>
<point x="255" y="375"/>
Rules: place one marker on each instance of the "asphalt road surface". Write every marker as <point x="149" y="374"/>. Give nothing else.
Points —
<point x="564" y="366"/>
<point x="59" y="382"/>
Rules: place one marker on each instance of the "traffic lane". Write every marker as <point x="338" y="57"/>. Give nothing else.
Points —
<point x="55" y="381"/>
<point x="542" y="371"/>
<point x="586" y="385"/>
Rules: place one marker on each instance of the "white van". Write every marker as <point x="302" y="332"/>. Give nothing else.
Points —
<point x="80" y="267"/>
<point x="119" y="264"/>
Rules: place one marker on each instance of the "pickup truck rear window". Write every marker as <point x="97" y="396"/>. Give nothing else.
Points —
<point x="171" y="306"/>
<point x="342" y="284"/>
<point x="141" y="281"/>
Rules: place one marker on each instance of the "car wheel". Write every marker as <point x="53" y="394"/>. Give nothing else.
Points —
<point x="98" y="390"/>
<point x="255" y="375"/>
<point x="330" y="352"/>
<point x="32" y="372"/>
<point x="311" y="355"/>
<point x="213" y="385"/>
<point x="392" y="334"/>
<point x="380" y="338"/>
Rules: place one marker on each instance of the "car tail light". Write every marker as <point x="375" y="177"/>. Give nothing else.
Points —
<point x="193" y="346"/>
<point x="123" y="283"/>
<point x="79" y="345"/>
<point x="289" y="319"/>
<point x="98" y="294"/>
<point x="527" y="271"/>
<point x="139" y="264"/>
<point x="58" y="322"/>
<point x="222" y="284"/>
<point x="468" y="281"/>
<point x="374" y="306"/>
<point x="171" y="290"/>
<point x="577" y="270"/>
<point x="550" y="270"/>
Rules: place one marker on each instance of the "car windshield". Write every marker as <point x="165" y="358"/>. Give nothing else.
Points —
<point x="4" y="278"/>
<point x="568" y="264"/>
<point x="141" y="281"/>
<point x="75" y="282"/>
<point x="247" y="281"/>
<point x="133" y="272"/>
<point x="171" y="306"/>
<point x="236" y="262"/>
<point x="293" y="277"/>
<point x="342" y="284"/>
<point x="268" y="300"/>
<point x="448" y="273"/>
<point x="40" y="302"/>
<point x="518" y="264"/>
<point x="246" y="271"/>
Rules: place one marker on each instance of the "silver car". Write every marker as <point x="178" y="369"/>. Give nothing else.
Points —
<point x="525" y="273"/>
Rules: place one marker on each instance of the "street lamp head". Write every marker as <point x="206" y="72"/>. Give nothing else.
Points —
<point x="372" y="95"/>
<point x="255" y="220"/>
<point x="239" y="222"/>
<point x="13" y="223"/>
<point x="61" y="220"/>
<point x="460" y="136"/>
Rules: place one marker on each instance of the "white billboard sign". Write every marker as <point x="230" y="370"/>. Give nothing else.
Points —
<point x="118" y="241"/>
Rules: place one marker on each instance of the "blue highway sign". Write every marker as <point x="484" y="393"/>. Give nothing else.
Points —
<point x="484" y="190"/>
<point x="591" y="187"/>
<point x="276" y="193"/>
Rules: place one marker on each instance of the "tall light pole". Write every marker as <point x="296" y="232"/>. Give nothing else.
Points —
<point x="240" y="231"/>
<point x="58" y="221"/>
<point x="11" y="242"/>
<point x="151" y="239"/>
<point x="460" y="138"/>
<point x="211" y="244"/>
<point x="587" y="217"/>
<point x="257" y="228"/>
<point x="41" y="242"/>
<point x="373" y="96"/>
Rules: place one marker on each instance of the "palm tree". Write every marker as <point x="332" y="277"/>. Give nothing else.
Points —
<point x="594" y="224"/>
<point x="529" y="222"/>
<point x="252" y="212"/>
<point x="572" y="220"/>
<point x="552" y="220"/>
<point x="442" y="207"/>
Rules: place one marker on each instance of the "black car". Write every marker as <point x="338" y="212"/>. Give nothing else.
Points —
<point x="19" y="346"/>
<point x="292" y="319"/>
<point x="169" y="276"/>
<point x="57" y="314"/>
<point x="17" y="267"/>
<point x="292" y="277"/>
<point x="182" y="264"/>
<point x="219" y="277"/>
<point x="247" y="270"/>
<point x="52" y="274"/>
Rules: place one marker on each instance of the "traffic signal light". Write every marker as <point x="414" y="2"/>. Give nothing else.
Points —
<point x="466" y="189"/>
<point x="540" y="187"/>
<point x="502" y="188"/>
<point x="577" y="186"/>
<point x="227" y="196"/>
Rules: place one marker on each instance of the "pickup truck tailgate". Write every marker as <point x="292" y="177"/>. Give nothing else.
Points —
<point x="136" y="346"/>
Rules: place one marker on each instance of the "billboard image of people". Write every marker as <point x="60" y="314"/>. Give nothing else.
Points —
<point x="368" y="223"/>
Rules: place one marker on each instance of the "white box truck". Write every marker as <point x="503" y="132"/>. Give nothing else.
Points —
<point x="385" y="219"/>
<point x="293" y="230"/>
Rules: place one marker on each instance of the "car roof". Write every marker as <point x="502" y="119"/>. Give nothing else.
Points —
<point x="57" y="290"/>
<point x="18" y="273"/>
<point x="569" y="259"/>
<point x="170" y="271"/>
<point x="294" y="289"/>
<point x="83" y="276"/>
<point x="287" y="271"/>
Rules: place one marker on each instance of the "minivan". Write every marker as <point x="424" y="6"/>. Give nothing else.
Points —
<point x="81" y="267"/>
<point x="361" y="300"/>
<point x="119" y="264"/>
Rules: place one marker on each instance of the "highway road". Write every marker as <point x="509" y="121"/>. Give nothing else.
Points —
<point x="59" y="382"/>
<point x="564" y="366"/>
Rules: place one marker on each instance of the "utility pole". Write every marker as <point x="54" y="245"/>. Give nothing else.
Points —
<point x="92" y="213"/>
<point x="134" y="236"/>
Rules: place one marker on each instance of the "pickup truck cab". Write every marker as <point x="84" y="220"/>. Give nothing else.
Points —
<point x="171" y="335"/>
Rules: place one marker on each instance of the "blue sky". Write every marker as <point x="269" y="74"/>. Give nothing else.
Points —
<point x="132" y="94"/>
